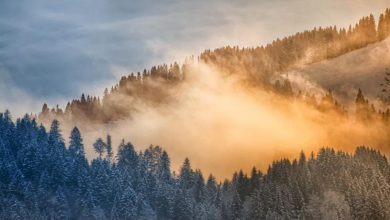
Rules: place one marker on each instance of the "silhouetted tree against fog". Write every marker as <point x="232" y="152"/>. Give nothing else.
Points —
<point x="100" y="147"/>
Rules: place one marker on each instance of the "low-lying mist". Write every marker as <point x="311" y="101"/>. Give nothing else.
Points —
<point x="224" y="126"/>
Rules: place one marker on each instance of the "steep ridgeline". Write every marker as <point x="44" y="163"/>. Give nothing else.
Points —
<point x="41" y="177"/>
<point x="367" y="68"/>
<point x="256" y="66"/>
<point x="152" y="88"/>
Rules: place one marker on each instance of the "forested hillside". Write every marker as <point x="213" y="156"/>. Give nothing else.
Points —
<point x="295" y="129"/>
<point x="258" y="67"/>
<point x="42" y="177"/>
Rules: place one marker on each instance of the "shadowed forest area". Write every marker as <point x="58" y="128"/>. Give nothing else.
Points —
<point x="41" y="177"/>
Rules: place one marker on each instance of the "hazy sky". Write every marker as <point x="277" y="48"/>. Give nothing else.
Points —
<point x="54" y="50"/>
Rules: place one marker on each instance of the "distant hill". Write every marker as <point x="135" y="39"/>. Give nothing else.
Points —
<point x="363" y="68"/>
<point x="258" y="67"/>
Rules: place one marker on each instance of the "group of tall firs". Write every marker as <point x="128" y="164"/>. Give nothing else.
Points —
<point x="42" y="177"/>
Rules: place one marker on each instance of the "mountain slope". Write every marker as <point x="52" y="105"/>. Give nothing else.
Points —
<point x="364" y="68"/>
<point x="41" y="178"/>
<point x="253" y="66"/>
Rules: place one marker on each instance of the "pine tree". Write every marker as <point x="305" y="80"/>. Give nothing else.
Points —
<point x="55" y="137"/>
<point x="183" y="207"/>
<point x="164" y="202"/>
<point x="165" y="170"/>
<point x="236" y="205"/>
<point x="61" y="206"/>
<point x="76" y="146"/>
<point x="186" y="177"/>
<point x="128" y="160"/>
<point x="199" y="187"/>
<point x="126" y="206"/>
<point x="100" y="147"/>
<point x="212" y="189"/>
<point x="109" y="148"/>
<point x="57" y="164"/>
<point x="254" y="206"/>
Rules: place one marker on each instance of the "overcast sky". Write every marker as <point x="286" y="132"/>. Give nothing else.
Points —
<point x="52" y="51"/>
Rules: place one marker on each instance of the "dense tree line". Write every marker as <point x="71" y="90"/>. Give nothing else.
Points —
<point x="151" y="87"/>
<point x="41" y="177"/>
<point x="302" y="48"/>
<point x="255" y="66"/>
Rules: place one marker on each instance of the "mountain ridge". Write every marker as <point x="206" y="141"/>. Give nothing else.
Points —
<point x="363" y="68"/>
<point x="256" y="66"/>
